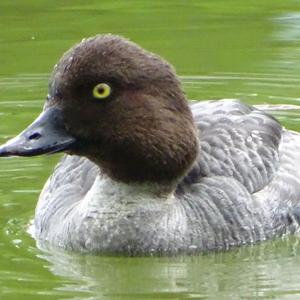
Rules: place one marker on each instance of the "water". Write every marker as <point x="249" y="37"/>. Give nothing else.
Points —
<point x="221" y="49"/>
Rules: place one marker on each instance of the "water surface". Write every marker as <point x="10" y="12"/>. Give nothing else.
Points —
<point x="221" y="49"/>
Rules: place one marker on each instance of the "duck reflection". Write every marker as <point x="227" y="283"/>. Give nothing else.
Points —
<point x="245" y="272"/>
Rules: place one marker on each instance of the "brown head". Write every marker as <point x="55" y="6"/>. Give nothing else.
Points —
<point x="118" y="105"/>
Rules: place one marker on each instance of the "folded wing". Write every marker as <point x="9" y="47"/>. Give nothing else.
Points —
<point x="236" y="140"/>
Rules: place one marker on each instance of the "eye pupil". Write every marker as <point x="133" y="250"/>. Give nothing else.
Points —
<point x="101" y="90"/>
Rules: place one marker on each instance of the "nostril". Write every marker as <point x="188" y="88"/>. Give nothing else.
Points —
<point x="34" y="136"/>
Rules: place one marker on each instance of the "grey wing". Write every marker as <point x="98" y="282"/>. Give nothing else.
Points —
<point x="236" y="140"/>
<point x="71" y="180"/>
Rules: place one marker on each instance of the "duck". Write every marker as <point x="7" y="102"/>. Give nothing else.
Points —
<point x="145" y="172"/>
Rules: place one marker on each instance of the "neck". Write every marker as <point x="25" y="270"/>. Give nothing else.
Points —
<point x="160" y="163"/>
<point x="106" y="190"/>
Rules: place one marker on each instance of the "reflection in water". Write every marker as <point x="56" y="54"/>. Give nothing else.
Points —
<point x="290" y="27"/>
<point x="267" y="270"/>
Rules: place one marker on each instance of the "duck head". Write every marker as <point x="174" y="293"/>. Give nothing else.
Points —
<point x="118" y="105"/>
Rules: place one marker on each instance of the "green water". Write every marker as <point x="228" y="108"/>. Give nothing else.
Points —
<point x="221" y="49"/>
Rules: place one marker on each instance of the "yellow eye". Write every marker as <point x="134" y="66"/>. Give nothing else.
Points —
<point x="101" y="91"/>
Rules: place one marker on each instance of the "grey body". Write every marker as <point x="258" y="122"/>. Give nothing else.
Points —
<point x="244" y="187"/>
